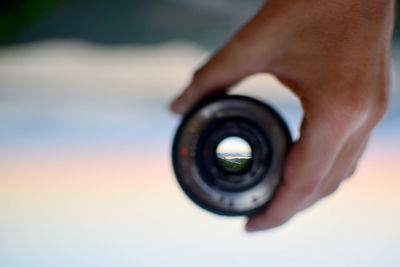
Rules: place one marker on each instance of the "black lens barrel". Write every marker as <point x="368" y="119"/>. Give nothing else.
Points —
<point x="196" y="166"/>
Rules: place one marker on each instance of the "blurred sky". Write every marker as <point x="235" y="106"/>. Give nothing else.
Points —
<point x="85" y="173"/>
<point x="234" y="145"/>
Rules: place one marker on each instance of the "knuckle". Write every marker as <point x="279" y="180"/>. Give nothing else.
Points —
<point x="307" y="188"/>
<point x="350" y="112"/>
<point x="349" y="173"/>
<point x="302" y="186"/>
<point x="378" y="109"/>
<point x="360" y="110"/>
<point x="331" y="189"/>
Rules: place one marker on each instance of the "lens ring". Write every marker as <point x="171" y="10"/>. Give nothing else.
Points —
<point x="194" y="147"/>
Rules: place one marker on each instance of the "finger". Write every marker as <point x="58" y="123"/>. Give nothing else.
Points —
<point x="342" y="169"/>
<point x="308" y="162"/>
<point x="242" y="56"/>
<point x="224" y="69"/>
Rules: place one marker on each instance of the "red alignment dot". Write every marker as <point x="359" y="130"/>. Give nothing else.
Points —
<point x="185" y="152"/>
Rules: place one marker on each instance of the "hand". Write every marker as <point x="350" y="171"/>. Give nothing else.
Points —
<point x="334" y="55"/>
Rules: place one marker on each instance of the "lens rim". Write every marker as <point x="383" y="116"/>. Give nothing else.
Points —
<point x="184" y="153"/>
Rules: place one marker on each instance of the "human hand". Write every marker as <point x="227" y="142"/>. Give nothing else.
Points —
<point x="333" y="55"/>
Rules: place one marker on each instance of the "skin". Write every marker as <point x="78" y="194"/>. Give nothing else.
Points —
<point x="334" y="56"/>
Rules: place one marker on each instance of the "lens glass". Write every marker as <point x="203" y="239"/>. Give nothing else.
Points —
<point x="234" y="154"/>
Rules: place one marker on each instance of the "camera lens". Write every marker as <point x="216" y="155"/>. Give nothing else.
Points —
<point x="228" y="154"/>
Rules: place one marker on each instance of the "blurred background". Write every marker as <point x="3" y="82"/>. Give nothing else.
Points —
<point x="85" y="135"/>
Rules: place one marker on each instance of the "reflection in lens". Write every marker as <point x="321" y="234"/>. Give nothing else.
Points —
<point x="234" y="154"/>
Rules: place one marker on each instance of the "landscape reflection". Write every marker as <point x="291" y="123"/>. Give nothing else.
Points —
<point x="234" y="154"/>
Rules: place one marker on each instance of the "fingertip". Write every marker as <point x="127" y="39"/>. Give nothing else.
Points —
<point x="255" y="224"/>
<point x="250" y="228"/>
<point x="176" y="107"/>
<point x="184" y="101"/>
<point x="180" y="104"/>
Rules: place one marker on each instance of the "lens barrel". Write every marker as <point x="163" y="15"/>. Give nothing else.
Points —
<point x="240" y="191"/>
